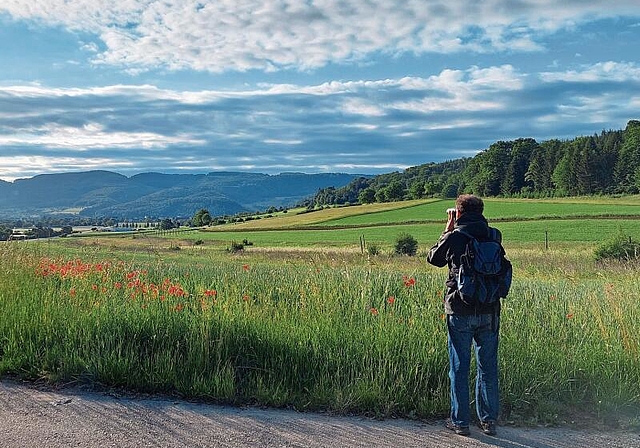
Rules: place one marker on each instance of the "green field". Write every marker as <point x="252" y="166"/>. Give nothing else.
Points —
<point x="587" y="231"/>
<point x="302" y="318"/>
<point x="498" y="209"/>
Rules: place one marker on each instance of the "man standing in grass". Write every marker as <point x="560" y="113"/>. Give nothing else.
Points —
<point x="469" y="323"/>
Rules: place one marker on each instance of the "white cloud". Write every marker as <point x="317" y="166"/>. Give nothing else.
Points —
<point x="274" y="141"/>
<point x="239" y="35"/>
<point x="91" y="136"/>
<point x="475" y="89"/>
<point x="603" y="71"/>
<point x="360" y="106"/>
<point x="14" y="167"/>
<point x="359" y="125"/>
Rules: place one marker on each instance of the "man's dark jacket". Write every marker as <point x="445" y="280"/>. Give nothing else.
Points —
<point x="447" y="252"/>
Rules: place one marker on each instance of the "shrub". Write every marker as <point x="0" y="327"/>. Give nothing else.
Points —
<point x="236" y="247"/>
<point x="373" y="249"/>
<point x="406" y="245"/>
<point x="620" y="247"/>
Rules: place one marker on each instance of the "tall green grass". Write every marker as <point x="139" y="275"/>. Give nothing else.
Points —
<point x="314" y="333"/>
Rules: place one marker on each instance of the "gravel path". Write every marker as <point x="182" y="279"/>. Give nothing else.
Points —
<point x="33" y="418"/>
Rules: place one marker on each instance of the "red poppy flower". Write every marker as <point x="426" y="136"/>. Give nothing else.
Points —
<point x="409" y="281"/>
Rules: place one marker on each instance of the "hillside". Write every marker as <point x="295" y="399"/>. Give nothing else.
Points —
<point x="604" y="163"/>
<point x="104" y="193"/>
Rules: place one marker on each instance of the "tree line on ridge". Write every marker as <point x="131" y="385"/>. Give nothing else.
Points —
<point x="605" y="163"/>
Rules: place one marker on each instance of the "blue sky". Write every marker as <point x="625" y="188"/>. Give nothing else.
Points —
<point x="310" y="85"/>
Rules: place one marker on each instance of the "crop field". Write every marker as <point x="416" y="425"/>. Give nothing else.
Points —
<point x="303" y="318"/>
<point x="502" y="209"/>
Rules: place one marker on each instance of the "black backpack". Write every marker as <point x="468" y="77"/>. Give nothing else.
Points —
<point x="484" y="274"/>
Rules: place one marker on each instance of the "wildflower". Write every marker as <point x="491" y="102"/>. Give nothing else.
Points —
<point x="552" y="298"/>
<point x="570" y="316"/>
<point x="94" y="287"/>
<point x="245" y="267"/>
<point x="373" y="311"/>
<point x="179" y="307"/>
<point x="117" y="285"/>
<point x="245" y="298"/>
<point x="409" y="281"/>
<point x="391" y="300"/>
<point x="177" y="291"/>
<point x="72" y="292"/>
<point x="210" y="292"/>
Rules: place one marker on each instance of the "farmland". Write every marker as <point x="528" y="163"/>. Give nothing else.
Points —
<point x="303" y="318"/>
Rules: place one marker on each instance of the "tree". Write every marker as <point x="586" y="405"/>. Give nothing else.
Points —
<point x="367" y="196"/>
<point x="514" y="178"/>
<point x="628" y="163"/>
<point x="394" y="191"/>
<point x="417" y="189"/>
<point x="490" y="169"/>
<point x="201" y="218"/>
<point x="167" y="224"/>
<point x="5" y="233"/>
<point x="543" y="162"/>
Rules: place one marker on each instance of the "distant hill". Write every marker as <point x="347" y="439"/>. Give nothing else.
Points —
<point x="604" y="163"/>
<point x="104" y="193"/>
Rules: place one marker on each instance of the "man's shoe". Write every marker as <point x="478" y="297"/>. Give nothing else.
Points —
<point x="460" y="430"/>
<point x="489" y="428"/>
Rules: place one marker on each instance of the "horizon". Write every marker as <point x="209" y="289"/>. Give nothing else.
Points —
<point x="130" y="175"/>
<point x="318" y="86"/>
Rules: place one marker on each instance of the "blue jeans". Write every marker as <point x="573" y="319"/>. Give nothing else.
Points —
<point x="481" y="330"/>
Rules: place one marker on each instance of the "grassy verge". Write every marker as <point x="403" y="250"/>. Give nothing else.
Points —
<point x="318" y="331"/>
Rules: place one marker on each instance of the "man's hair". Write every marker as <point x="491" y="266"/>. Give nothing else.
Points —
<point x="469" y="203"/>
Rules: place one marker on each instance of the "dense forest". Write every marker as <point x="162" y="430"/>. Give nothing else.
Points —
<point x="605" y="163"/>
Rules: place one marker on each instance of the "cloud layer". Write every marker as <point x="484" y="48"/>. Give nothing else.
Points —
<point x="239" y="35"/>
<point x="356" y="126"/>
<point x="304" y="85"/>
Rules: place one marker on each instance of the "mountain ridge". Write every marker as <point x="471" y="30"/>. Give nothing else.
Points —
<point x="155" y="194"/>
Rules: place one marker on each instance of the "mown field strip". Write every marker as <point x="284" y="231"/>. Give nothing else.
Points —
<point x="570" y="230"/>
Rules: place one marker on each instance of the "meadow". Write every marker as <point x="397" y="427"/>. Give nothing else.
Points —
<point x="303" y="319"/>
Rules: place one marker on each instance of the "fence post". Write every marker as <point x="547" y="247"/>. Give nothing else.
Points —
<point x="546" y="240"/>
